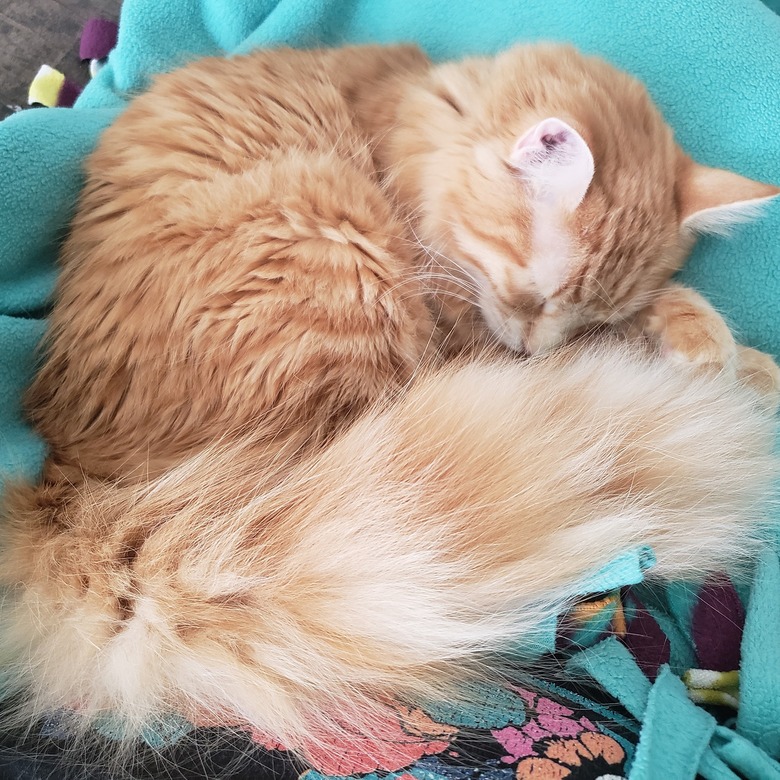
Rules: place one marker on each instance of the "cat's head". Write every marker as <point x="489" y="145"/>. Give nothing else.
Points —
<point x="552" y="185"/>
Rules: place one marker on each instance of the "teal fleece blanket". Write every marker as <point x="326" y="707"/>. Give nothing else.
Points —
<point x="712" y="66"/>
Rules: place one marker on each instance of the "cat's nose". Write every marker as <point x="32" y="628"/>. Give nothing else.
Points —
<point x="546" y="334"/>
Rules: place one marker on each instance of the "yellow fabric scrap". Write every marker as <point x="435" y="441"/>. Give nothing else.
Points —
<point x="46" y="86"/>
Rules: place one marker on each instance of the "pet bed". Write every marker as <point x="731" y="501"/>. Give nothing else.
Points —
<point x="669" y="682"/>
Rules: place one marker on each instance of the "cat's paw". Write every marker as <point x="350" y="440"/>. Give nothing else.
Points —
<point x="759" y="371"/>
<point x="686" y="329"/>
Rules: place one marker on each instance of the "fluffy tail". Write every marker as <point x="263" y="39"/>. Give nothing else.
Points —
<point x="441" y="527"/>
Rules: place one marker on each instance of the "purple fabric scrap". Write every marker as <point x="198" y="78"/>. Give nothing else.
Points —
<point x="647" y="642"/>
<point x="68" y="94"/>
<point x="97" y="39"/>
<point x="718" y="619"/>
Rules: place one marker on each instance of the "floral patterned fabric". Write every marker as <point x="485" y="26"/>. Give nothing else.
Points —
<point x="556" y="725"/>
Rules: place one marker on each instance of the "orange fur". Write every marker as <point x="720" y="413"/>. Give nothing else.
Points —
<point x="219" y="227"/>
<point x="266" y="501"/>
<point x="444" y="140"/>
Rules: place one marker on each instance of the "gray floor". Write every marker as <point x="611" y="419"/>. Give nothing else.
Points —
<point x="34" y="32"/>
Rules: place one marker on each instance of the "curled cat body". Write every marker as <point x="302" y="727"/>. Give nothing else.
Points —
<point x="291" y="480"/>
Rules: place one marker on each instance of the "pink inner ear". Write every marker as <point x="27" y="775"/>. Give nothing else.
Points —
<point x="546" y="138"/>
<point x="556" y="159"/>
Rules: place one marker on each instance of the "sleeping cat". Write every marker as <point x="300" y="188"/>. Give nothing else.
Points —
<point x="291" y="479"/>
<point x="550" y="186"/>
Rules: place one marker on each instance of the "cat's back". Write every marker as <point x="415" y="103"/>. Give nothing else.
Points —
<point x="233" y="262"/>
<point x="225" y="114"/>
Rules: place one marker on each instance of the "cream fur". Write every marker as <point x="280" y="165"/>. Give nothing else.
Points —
<point x="439" y="527"/>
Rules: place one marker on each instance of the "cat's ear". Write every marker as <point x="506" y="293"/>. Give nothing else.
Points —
<point x="554" y="158"/>
<point x="713" y="200"/>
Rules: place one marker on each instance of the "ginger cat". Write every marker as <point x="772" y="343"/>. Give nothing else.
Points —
<point x="267" y="501"/>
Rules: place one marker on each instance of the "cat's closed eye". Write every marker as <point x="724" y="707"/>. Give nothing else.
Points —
<point x="450" y="101"/>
